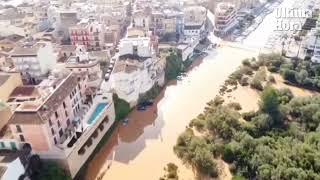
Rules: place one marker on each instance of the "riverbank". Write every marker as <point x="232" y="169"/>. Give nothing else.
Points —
<point x="245" y="117"/>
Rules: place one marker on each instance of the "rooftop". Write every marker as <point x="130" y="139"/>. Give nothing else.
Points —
<point x="127" y="66"/>
<point x="58" y="96"/>
<point x="18" y="51"/>
<point x="3" y="78"/>
<point x="35" y="112"/>
<point x="23" y="91"/>
<point x="73" y="62"/>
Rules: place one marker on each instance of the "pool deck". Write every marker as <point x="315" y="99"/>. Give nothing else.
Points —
<point x="103" y="98"/>
<point x="86" y="128"/>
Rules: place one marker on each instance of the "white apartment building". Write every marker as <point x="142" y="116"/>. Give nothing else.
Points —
<point x="34" y="61"/>
<point x="194" y="21"/>
<point x="141" y="19"/>
<point x="137" y="69"/>
<point x="312" y="45"/>
<point x="61" y="19"/>
<point x="225" y="19"/>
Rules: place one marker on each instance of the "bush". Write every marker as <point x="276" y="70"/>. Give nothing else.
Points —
<point x="289" y="75"/>
<point x="273" y="68"/>
<point x="261" y="74"/>
<point x="246" y="62"/>
<point x="248" y="115"/>
<point x="255" y="66"/>
<point x="231" y="82"/>
<point x="236" y="106"/>
<point x="198" y="123"/>
<point x="218" y="100"/>
<point x="245" y="70"/>
<point x="256" y="84"/>
<point x="271" y="79"/>
<point x="244" y="81"/>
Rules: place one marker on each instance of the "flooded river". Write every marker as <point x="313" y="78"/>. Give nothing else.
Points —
<point x="142" y="149"/>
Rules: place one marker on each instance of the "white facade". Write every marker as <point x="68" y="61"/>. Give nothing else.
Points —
<point x="34" y="61"/>
<point x="14" y="170"/>
<point x="141" y="20"/>
<point x="129" y="86"/>
<point x="194" y="31"/>
<point x="225" y="18"/>
<point x="194" y="21"/>
<point x="140" y="46"/>
<point x="137" y="69"/>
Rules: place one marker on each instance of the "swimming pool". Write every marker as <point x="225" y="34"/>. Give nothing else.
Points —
<point x="95" y="115"/>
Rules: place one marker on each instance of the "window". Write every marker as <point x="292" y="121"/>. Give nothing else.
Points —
<point x="56" y="114"/>
<point x="66" y="113"/>
<point x="13" y="145"/>
<point x="55" y="140"/>
<point x="61" y="132"/>
<point x="18" y="128"/>
<point x="2" y="145"/>
<point x="21" y="137"/>
<point x="68" y="122"/>
<point x="50" y="122"/>
<point x="64" y="105"/>
<point x="52" y="131"/>
<point x="59" y="123"/>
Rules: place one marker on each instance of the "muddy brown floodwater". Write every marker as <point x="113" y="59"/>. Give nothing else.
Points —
<point x="142" y="149"/>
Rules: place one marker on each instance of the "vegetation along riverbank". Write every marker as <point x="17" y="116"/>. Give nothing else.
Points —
<point x="276" y="139"/>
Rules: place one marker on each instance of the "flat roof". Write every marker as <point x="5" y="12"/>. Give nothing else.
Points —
<point x="21" y="91"/>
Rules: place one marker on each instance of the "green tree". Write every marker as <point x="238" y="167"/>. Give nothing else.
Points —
<point x="174" y="66"/>
<point x="53" y="172"/>
<point x="270" y="104"/>
<point x="122" y="107"/>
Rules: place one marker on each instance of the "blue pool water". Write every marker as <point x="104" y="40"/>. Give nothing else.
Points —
<point x="95" y="115"/>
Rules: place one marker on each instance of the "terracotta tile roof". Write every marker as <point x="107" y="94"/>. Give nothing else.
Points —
<point x="57" y="98"/>
<point x="50" y="105"/>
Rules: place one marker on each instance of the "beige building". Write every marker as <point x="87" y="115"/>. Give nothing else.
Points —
<point x="8" y="82"/>
<point x="62" y="125"/>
